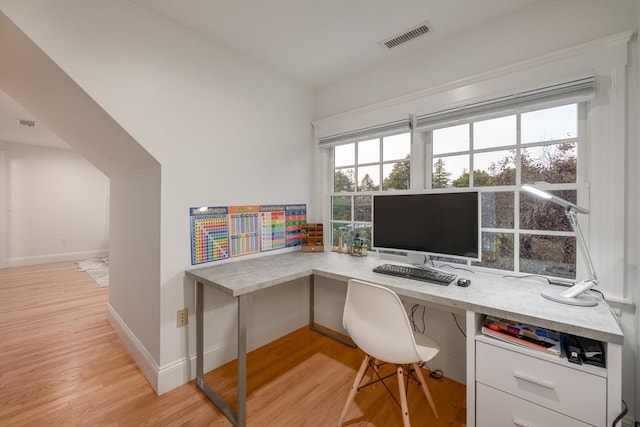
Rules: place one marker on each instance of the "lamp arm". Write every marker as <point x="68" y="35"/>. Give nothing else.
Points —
<point x="591" y="279"/>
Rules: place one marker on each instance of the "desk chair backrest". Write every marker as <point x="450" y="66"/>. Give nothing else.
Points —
<point x="376" y="321"/>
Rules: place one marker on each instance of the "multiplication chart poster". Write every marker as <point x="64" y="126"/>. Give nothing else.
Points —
<point x="295" y="217"/>
<point x="209" y="234"/>
<point x="244" y="230"/>
<point x="230" y="231"/>
<point x="273" y="227"/>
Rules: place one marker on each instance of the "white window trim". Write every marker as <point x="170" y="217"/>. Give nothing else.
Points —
<point x="607" y="60"/>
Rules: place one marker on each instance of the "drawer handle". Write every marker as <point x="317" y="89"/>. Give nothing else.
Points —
<point x="521" y="423"/>
<point x="534" y="380"/>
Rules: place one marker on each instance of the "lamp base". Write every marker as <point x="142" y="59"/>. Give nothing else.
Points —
<point x="580" y="300"/>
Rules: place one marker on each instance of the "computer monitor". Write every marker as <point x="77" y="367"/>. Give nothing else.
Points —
<point x="441" y="224"/>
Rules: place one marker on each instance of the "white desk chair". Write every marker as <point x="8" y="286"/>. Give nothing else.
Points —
<point x="377" y="322"/>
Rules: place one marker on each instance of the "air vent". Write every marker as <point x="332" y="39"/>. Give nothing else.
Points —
<point x="24" y="122"/>
<point x="409" y="35"/>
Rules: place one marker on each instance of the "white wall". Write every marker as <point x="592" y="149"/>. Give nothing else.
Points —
<point x="225" y="131"/>
<point x="56" y="204"/>
<point x="494" y="57"/>
<point x="536" y="30"/>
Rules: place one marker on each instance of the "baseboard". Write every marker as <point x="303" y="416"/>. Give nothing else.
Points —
<point x="182" y="371"/>
<point x="140" y="355"/>
<point x="49" y="258"/>
<point x="169" y="376"/>
<point x="627" y="422"/>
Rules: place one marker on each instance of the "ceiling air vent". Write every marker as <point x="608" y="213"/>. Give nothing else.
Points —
<point x="25" y="122"/>
<point x="409" y="35"/>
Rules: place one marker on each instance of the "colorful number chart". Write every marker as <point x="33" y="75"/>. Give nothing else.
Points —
<point x="244" y="230"/>
<point x="209" y="234"/>
<point x="295" y="217"/>
<point x="273" y="227"/>
<point x="230" y="231"/>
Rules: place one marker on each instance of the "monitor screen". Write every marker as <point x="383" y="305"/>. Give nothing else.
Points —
<point x="443" y="224"/>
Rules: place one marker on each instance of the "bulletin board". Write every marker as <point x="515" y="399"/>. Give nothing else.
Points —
<point x="230" y="231"/>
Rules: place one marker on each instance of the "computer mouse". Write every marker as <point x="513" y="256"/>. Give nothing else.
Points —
<point x="463" y="282"/>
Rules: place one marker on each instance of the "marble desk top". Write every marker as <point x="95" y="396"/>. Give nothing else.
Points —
<point x="516" y="299"/>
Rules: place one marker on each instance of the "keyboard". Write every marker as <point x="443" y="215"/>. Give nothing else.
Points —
<point x="426" y="275"/>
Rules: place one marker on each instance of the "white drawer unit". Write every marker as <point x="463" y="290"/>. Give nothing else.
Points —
<point x="499" y="409"/>
<point x="572" y="392"/>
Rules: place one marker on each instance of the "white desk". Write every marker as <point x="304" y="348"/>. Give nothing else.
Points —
<point x="515" y="299"/>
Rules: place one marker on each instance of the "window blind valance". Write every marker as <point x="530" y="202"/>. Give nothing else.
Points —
<point x="572" y="91"/>
<point x="393" y="128"/>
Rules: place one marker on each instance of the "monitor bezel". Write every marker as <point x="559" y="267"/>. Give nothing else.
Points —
<point x="395" y="251"/>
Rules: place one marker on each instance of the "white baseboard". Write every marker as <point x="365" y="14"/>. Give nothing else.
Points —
<point x="140" y="355"/>
<point x="171" y="375"/>
<point x="182" y="371"/>
<point x="49" y="258"/>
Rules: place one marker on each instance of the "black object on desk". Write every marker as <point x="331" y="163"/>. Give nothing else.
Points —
<point x="423" y="274"/>
<point x="463" y="282"/>
<point x="584" y="350"/>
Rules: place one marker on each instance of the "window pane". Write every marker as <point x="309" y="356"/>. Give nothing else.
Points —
<point x="497" y="209"/>
<point x="555" y="163"/>
<point x="548" y="255"/>
<point x="497" y="251"/>
<point x="369" y="178"/>
<point x="341" y="208"/>
<point x="364" y="232"/>
<point x="495" y="132"/>
<point x="494" y="168"/>
<point x="550" y="124"/>
<point x="369" y="151"/>
<point x="396" y="147"/>
<point x="345" y="155"/>
<point x="450" y="170"/>
<point x="338" y="230"/>
<point x="396" y="176"/>
<point x="344" y="180"/>
<point x="362" y="208"/>
<point x="451" y="139"/>
<point x="537" y="214"/>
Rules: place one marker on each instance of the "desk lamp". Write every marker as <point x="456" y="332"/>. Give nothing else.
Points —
<point x="573" y="295"/>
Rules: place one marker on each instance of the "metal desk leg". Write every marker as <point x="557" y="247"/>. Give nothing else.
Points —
<point x="242" y="362"/>
<point x="227" y="411"/>
<point x="312" y="323"/>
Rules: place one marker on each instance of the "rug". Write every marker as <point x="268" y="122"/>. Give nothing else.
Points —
<point x="98" y="269"/>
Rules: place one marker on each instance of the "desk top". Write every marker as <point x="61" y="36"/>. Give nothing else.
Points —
<point x="515" y="299"/>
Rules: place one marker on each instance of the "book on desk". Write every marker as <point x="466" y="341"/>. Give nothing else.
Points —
<point x="522" y="334"/>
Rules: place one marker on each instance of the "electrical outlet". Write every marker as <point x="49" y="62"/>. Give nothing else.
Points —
<point x="182" y="317"/>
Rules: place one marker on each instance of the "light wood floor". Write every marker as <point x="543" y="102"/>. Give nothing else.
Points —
<point x="61" y="364"/>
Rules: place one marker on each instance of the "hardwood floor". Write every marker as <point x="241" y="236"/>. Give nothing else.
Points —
<point x="62" y="364"/>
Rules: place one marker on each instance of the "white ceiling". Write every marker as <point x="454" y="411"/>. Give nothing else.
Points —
<point x="315" y="42"/>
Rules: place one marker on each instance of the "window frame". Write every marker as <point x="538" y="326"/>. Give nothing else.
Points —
<point x="425" y="136"/>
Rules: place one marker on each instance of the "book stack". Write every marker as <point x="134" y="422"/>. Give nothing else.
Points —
<point x="522" y="334"/>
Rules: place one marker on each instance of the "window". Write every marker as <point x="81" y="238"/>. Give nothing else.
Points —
<point x="359" y="169"/>
<point x="499" y="154"/>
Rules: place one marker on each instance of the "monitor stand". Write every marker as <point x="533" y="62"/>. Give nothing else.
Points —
<point x="422" y="261"/>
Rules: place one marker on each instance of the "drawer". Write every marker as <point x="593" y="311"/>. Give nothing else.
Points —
<point x="576" y="393"/>
<point x="495" y="408"/>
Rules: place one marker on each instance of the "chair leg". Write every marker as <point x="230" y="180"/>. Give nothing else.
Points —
<point x="403" y="397"/>
<point x="425" y="389"/>
<point x="354" y="388"/>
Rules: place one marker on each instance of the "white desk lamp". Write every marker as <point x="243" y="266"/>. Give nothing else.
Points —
<point x="575" y="294"/>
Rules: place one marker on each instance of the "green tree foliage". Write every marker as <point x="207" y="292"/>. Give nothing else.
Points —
<point x="398" y="178"/>
<point x="440" y="178"/>
<point x="367" y="184"/>
<point x="341" y="208"/>
<point x="480" y="179"/>
<point x="343" y="181"/>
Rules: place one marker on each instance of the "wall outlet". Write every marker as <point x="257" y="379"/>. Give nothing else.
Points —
<point x="182" y="317"/>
